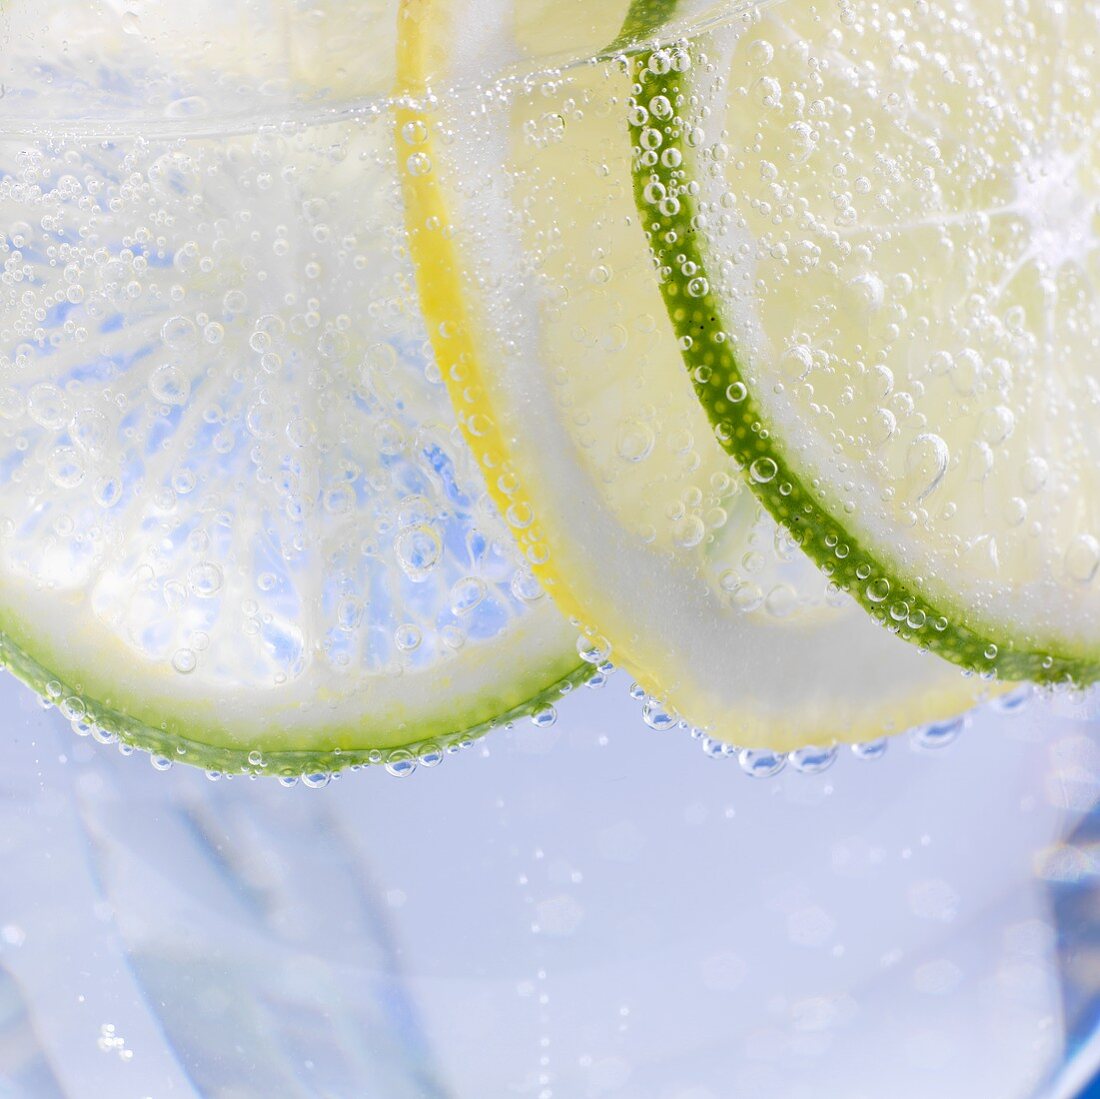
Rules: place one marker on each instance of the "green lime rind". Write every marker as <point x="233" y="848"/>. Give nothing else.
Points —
<point x="644" y="19"/>
<point x="179" y="741"/>
<point x="649" y="20"/>
<point x="742" y="430"/>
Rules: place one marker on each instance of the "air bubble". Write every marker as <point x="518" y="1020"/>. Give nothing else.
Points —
<point x="401" y="763"/>
<point x="811" y="760"/>
<point x="689" y="532"/>
<point x="997" y="424"/>
<point x="349" y="610"/>
<point x="966" y="371"/>
<point x="525" y="587"/>
<point x="868" y="292"/>
<point x="760" y="763"/>
<point x="635" y="441"/>
<point x="205" y="579"/>
<point x="979" y="462"/>
<point x="48" y="406"/>
<point x="184" y="661"/>
<point x="878" y="590"/>
<point x="761" y="53"/>
<point x="870" y="749"/>
<point x="657" y="716"/>
<point x="1082" y="559"/>
<point x="179" y="333"/>
<point x="768" y="91"/>
<point x="430" y="756"/>
<point x="746" y="597"/>
<point x="594" y="650"/>
<point x="781" y="601"/>
<point x="926" y="463"/>
<point x="763" y="470"/>
<point x="235" y="301"/>
<point x="419" y="164"/>
<point x="544" y="717"/>
<point x="467" y="594"/>
<point x="660" y="62"/>
<point x="73" y="708"/>
<point x="169" y="385"/>
<point x="90" y="431"/>
<point x="65" y="467"/>
<point x="796" y="362"/>
<point x="419" y="550"/>
<point x="414" y="132"/>
<point x="175" y="594"/>
<point x="939" y="734"/>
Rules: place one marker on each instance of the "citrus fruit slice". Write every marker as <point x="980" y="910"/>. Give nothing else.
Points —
<point x="876" y="230"/>
<point x="548" y="324"/>
<point x="238" y="523"/>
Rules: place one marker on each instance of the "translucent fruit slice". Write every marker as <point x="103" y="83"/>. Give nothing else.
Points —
<point x="876" y="229"/>
<point x="238" y="523"/>
<point x="549" y="327"/>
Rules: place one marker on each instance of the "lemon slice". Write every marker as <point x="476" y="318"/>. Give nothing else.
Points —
<point x="238" y="523"/>
<point x="548" y="324"/>
<point x="877" y="237"/>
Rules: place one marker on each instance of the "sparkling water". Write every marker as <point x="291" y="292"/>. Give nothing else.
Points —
<point x="587" y="909"/>
<point x="597" y="903"/>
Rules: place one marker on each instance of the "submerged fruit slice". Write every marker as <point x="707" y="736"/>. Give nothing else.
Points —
<point x="238" y="524"/>
<point x="877" y="235"/>
<point x="550" y="331"/>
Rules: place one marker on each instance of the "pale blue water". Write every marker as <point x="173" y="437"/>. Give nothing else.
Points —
<point x="593" y="909"/>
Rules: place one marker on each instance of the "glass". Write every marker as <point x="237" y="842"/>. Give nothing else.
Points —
<point x="579" y="909"/>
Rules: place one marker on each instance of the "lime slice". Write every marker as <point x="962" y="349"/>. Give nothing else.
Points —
<point x="238" y="523"/>
<point x="877" y="235"/>
<point x="549" y="327"/>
